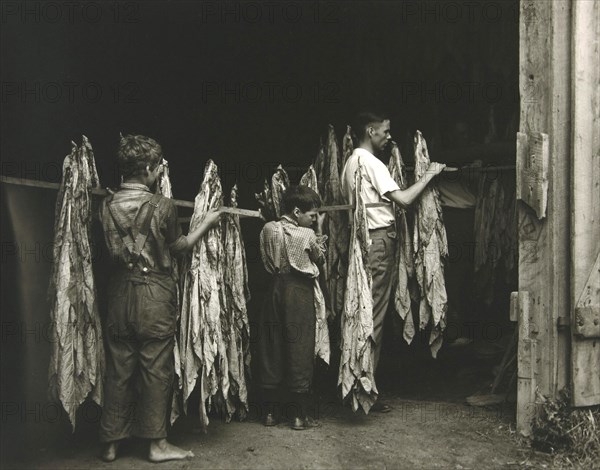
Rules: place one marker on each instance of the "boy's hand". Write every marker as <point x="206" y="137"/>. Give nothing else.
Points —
<point x="213" y="217"/>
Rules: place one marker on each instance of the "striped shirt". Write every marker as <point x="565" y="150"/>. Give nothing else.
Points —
<point x="286" y="247"/>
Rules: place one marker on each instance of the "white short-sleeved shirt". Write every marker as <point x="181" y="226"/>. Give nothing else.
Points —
<point x="376" y="182"/>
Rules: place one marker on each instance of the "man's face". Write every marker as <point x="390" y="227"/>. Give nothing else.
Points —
<point x="379" y="133"/>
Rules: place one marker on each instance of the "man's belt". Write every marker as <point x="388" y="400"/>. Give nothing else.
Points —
<point x="390" y="230"/>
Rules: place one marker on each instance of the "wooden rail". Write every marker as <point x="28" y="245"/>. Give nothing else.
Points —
<point x="178" y="202"/>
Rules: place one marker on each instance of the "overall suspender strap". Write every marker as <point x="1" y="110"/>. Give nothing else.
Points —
<point x="277" y="253"/>
<point x="140" y="240"/>
<point x="134" y="247"/>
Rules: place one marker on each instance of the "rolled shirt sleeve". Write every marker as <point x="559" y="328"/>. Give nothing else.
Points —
<point x="377" y="181"/>
<point x="380" y="177"/>
<point x="174" y="237"/>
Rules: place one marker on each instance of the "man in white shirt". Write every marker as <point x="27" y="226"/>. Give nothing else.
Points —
<point x="373" y="134"/>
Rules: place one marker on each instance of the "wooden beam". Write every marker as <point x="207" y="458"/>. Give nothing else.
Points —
<point x="178" y="202"/>
<point x="240" y="212"/>
<point x="228" y="210"/>
<point x="558" y="263"/>
<point x="36" y="183"/>
<point x="56" y="186"/>
<point x="585" y="210"/>
<point x="526" y="365"/>
<point x="544" y="254"/>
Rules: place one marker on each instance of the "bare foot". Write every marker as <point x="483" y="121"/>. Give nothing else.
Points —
<point x="161" y="451"/>
<point x="110" y="451"/>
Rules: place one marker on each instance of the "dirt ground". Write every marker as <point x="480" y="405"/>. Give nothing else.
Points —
<point x="415" y="434"/>
<point x="430" y="426"/>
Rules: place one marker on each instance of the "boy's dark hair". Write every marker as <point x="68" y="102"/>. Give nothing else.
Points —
<point x="301" y="197"/>
<point x="363" y="120"/>
<point x="135" y="153"/>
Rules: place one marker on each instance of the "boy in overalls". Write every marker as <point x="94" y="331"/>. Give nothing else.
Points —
<point x="142" y="234"/>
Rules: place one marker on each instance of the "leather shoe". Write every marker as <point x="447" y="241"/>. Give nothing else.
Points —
<point x="298" y="424"/>
<point x="270" y="420"/>
<point x="311" y="423"/>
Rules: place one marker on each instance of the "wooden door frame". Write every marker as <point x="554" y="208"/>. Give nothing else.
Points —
<point x="544" y="251"/>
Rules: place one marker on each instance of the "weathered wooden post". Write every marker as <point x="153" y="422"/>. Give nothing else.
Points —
<point x="543" y="164"/>
<point x="585" y="205"/>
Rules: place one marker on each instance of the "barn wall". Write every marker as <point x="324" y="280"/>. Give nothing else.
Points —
<point x="585" y="210"/>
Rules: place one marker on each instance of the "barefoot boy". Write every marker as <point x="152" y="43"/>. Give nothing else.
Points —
<point x="142" y="234"/>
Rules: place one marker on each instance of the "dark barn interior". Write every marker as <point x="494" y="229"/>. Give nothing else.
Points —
<point x="249" y="89"/>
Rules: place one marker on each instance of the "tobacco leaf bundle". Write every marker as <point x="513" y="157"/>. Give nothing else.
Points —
<point x="164" y="181"/>
<point x="431" y="247"/>
<point x="265" y="202"/>
<point x="279" y="183"/>
<point x="321" y="169"/>
<point x="322" y="344"/>
<point x="165" y="188"/>
<point x="202" y="345"/>
<point x="235" y="313"/>
<point x="77" y="361"/>
<point x="336" y="227"/>
<point x="310" y="179"/>
<point x="347" y="147"/>
<point x="495" y="228"/>
<point x="356" y="373"/>
<point x="404" y="251"/>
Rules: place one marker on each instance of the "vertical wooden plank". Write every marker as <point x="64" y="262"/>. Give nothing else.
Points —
<point x="534" y="36"/>
<point x="526" y="365"/>
<point x="585" y="210"/>
<point x="559" y="258"/>
<point x="544" y="245"/>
